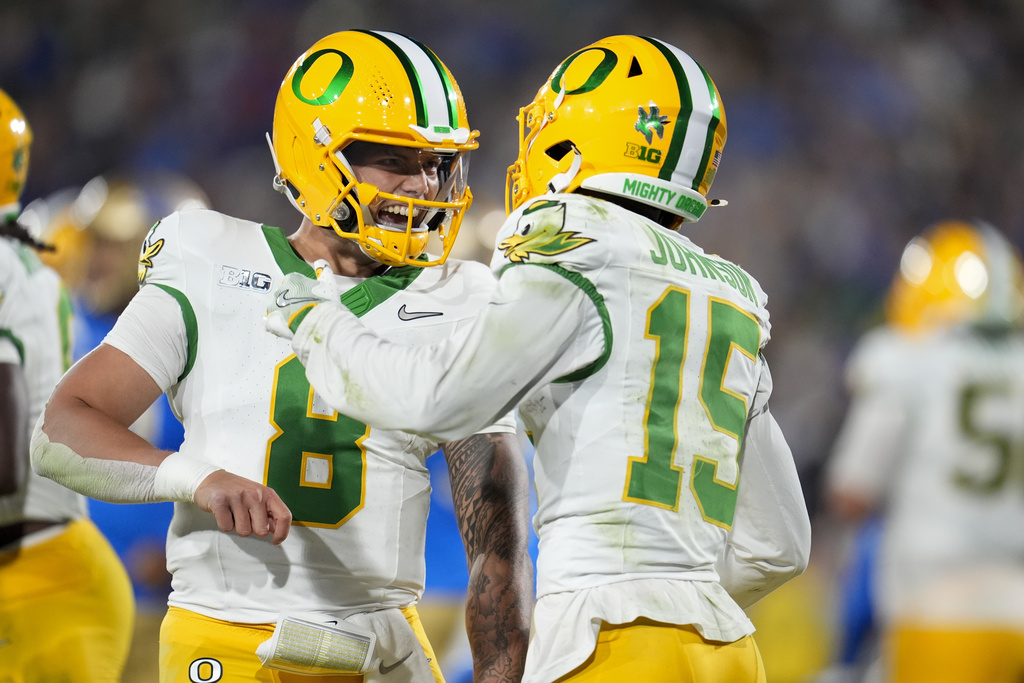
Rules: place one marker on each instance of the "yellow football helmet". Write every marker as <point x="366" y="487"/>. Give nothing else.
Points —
<point x="628" y="116"/>
<point x="377" y="87"/>
<point x="957" y="272"/>
<point x="15" y="139"/>
<point x="97" y="232"/>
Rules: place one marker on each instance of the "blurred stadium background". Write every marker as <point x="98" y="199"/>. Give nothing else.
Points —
<point x="852" y="126"/>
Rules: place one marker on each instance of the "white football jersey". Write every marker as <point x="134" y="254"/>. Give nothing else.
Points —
<point x="35" y="315"/>
<point x="644" y="442"/>
<point x="359" y="496"/>
<point x="665" y="488"/>
<point x="936" y="435"/>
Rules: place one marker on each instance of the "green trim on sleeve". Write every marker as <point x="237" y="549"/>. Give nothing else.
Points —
<point x="590" y="290"/>
<point x="188" y="315"/>
<point x="7" y="334"/>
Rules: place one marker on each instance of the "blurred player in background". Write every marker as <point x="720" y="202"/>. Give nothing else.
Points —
<point x="97" y="231"/>
<point x="326" y="516"/>
<point x="66" y="606"/>
<point x="668" y="496"/>
<point x="934" y="444"/>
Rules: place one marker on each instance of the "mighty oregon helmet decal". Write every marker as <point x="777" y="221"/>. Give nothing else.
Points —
<point x="337" y="84"/>
<point x="433" y="94"/>
<point x="693" y="136"/>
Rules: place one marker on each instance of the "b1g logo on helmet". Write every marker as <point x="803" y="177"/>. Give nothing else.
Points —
<point x="649" y="154"/>
<point x="334" y="87"/>
<point x="647" y="124"/>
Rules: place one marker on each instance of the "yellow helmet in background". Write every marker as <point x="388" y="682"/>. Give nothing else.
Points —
<point x="957" y="272"/>
<point x="15" y="140"/>
<point x="377" y="87"/>
<point x="628" y="116"/>
<point x="98" y="231"/>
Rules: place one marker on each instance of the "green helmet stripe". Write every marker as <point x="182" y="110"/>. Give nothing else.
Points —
<point x="709" y="141"/>
<point x="675" y="146"/>
<point x="451" y="96"/>
<point x="410" y="71"/>
<point x="434" y="93"/>
<point x="693" y="135"/>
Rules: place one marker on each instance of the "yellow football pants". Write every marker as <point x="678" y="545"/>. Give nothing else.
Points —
<point x="66" y="609"/>
<point x="928" y="655"/>
<point x="199" y="649"/>
<point x="665" y="653"/>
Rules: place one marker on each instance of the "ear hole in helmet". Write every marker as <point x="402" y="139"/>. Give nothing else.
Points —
<point x="634" y="69"/>
<point x="345" y="216"/>
<point x="559" y="150"/>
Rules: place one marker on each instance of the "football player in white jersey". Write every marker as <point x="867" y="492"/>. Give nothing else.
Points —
<point x="325" y="564"/>
<point x="668" y="497"/>
<point x="66" y="606"/>
<point x="934" y="442"/>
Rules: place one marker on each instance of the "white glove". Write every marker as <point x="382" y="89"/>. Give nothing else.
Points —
<point x="296" y="296"/>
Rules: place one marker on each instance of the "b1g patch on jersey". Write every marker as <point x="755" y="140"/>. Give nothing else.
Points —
<point x="149" y="250"/>
<point x="244" y="279"/>
<point x="541" y="230"/>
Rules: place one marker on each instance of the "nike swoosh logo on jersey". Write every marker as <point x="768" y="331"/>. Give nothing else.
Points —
<point x="415" y="315"/>
<point x="284" y="300"/>
<point x="386" y="669"/>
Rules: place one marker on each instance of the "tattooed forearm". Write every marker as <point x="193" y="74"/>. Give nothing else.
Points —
<point x="489" y="489"/>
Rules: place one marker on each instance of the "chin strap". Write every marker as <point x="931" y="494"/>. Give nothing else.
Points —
<point x="279" y="184"/>
<point x="563" y="180"/>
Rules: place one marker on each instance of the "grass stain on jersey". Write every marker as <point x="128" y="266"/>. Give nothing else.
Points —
<point x="541" y="231"/>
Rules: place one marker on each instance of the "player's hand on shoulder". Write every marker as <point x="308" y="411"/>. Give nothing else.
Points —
<point x="295" y="296"/>
<point x="244" y="506"/>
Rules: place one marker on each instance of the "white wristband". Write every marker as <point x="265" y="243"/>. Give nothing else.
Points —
<point x="179" y="476"/>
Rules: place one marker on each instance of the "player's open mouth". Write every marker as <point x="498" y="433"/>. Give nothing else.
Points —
<point x="397" y="216"/>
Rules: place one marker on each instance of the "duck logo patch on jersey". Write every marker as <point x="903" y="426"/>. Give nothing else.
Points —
<point x="541" y="231"/>
<point x="149" y="250"/>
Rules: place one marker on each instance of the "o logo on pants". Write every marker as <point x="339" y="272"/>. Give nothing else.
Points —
<point x="205" y="671"/>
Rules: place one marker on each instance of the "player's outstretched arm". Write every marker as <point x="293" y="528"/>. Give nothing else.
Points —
<point x="489" y="489"/>
<point x="83" y="441"/>
<point x="537" y="327"/>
